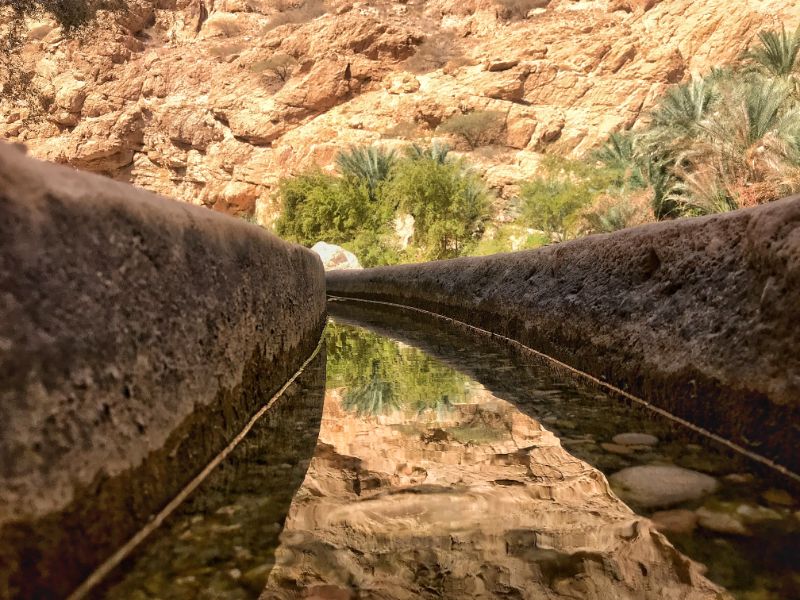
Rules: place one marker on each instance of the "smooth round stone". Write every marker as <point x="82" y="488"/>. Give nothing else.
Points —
<point x="635" y="439"/>
<point x="739" y="478"/>
<point x="757" y="514"/>
<point x="779" y="497"/>
<point x="652" y="486"/>
<point x="720" y="522"/>
<point x="616" y="449"/>
<point x="675" y="521"/>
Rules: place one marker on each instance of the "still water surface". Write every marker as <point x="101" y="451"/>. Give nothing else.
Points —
<point x="431" y="463"/>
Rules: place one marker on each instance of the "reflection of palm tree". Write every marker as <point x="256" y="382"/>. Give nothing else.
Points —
<point x="374" y="398"/>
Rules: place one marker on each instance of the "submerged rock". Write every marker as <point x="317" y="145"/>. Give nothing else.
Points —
<point x="720" y="522"/>
<point x="675" y="521"/>
<point x="651" y="486"/>
<point x="757" y="514"/>
<point x="617" y="448"/>
<point x="635" y="439"/>
<point x="779" y="497"/>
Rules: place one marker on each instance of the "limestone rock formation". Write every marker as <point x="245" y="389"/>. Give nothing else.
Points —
<point x="178" y="97"/>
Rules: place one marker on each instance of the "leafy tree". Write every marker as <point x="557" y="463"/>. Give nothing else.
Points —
<point x="448" y="203"/>
<point x="555" y="200"/>
<point x="617" y="215"/>
<point x="318" y="207"/>
<point x="749" y="151"/>
<point x="476" y="128"/>
<point x="619" y="152"/>
<point x="725" y="141"/>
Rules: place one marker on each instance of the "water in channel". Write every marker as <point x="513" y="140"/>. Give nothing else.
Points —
<point x="433" y="463"/>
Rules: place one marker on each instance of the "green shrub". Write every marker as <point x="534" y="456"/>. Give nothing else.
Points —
<point x="449" y="205"/>
<point x="338" y="210"/>
<point x="356" y="210"/>
<point x="476" y="128"/>
<point x="555" y="200"/>
<point x="319" y="207"/>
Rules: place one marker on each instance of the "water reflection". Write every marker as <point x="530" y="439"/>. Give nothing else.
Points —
<point x="746" y="533"/>
<point x="381" y="376"/>
<point x="221" y="542"/>
<point x="451" y="492"/>
<point x="444" y="465"/>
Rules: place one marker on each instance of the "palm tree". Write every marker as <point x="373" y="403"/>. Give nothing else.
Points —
<point x="749" y="150"/>
<point x="778" y="55"/>
<point x="618" y="150"/>
<point x="436" y="152"/>
<point x="371" y="164"/>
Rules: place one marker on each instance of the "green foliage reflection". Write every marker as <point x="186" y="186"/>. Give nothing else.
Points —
<point x="382" y="376"/>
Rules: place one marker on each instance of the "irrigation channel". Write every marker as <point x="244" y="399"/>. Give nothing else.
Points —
<point x="427" y="461"/>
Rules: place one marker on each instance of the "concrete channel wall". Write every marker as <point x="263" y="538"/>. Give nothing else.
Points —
<point x="137" y="336"/>
<point x="698" y="316"/>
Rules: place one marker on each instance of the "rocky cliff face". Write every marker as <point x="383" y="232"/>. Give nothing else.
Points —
<point x="177" y="96"/>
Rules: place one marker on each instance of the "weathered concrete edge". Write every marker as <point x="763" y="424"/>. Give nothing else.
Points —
<point x="122" y="315"/>
<point x="701" y="317"/>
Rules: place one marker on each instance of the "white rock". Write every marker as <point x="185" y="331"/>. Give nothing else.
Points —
<point x="335" y="257"/>
<point x="652" y="486"/>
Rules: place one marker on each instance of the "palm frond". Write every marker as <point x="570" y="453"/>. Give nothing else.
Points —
<point x="778" y="53"/>
<point x="370" y="164"/>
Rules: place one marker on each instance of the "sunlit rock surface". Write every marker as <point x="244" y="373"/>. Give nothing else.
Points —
<point x="175" y="102"/>
<point x="476" y="500"/>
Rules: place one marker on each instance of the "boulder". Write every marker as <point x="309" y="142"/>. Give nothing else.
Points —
<point x="335" y="257"/>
